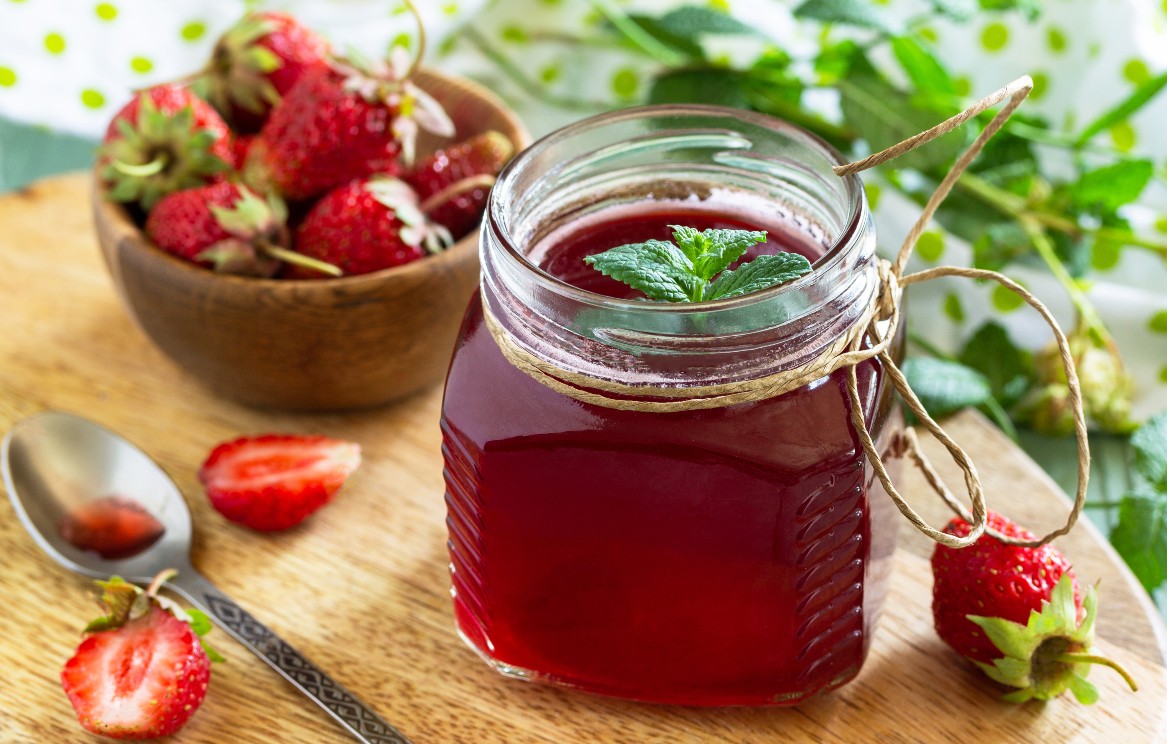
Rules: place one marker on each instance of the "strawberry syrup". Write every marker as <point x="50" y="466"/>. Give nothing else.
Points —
<point x="114" y="527"/>
<point x="734" y="556"/>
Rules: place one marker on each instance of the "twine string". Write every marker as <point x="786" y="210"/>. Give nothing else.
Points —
<point x="871" y="337"/>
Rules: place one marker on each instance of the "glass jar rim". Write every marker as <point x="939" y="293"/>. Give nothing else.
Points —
<point x="495" y="222"/>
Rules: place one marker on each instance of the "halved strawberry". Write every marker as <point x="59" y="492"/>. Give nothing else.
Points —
<point x="142" y="671"/>
<point x="274" y="481"/>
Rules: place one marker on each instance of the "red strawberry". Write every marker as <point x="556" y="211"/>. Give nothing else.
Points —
<point x="141" y="671"/>
<point x="339" y="122"/>
<point x="366" y="226"/>
<point x="453" y="183"/>
<point x="255" y="63"/>
<point x="1017" y="613"/>
<point x="164" y="140"/>
<point x="240" y="147"/>
<point x="275" y="481"/>
<point x="227" y="227"/>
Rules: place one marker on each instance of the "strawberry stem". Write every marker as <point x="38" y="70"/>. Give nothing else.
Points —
<point x="482" y="181"/>
<point x="420" y="40"/>
<point x="299" y="259"/>
<point x="1093" y="659"/>
<point x="159" y="580"/>
<point x="154" y="167"/>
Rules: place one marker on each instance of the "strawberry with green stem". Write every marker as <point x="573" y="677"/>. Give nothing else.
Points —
<point x="366" y="226"/>
<point x="454" y="182"/>
<point x="164" y="140"/>
<point x="143" y="669"/>
<point x="255" y="63"/>
<point x="227" y="227"/>
<point x="1016" y="612"/>
<point x="347" y="119"/>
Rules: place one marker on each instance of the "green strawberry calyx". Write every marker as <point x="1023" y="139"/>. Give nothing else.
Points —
<point x="416" y="228"/>
<point x="122" y="602"/>
<point x="259" y="238"/>
<point x="1050" y="653"/>
<point x="160" y="154"/>
<point x="238" y="70"/>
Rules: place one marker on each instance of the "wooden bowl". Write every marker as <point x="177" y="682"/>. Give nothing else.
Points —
<point x="308" y="345"/>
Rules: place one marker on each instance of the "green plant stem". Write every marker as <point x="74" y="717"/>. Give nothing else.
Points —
<point x="632" y="31"/>
<point x="519" y="77"/>
<point x="1102" y="660"/>
<point x="1045" y="248"/>
<point x="1101" y="504"/>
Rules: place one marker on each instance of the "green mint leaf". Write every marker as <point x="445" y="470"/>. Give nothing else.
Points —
<point x="1031" y="9"/>
<point x="945" y="387"/>
<point x="859" y="13"/>
<point x="1125" y="108"/>
<point x="1140" y="536"/>
<point x="1007" y="367"/>
<point x="717" y="87"/>
<point x="760" y="273"/>
<point x="1112" y="186"/>
<point x="1149" y="443"/>
<point x="957" y="10"/>
<point x="713" y="250"/>
<point x="923" y="69"/>
<point x="884" y="116"/>
<point x="657" y="268"/>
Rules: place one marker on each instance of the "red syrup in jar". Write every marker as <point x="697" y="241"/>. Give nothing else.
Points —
<point x="733" y="556"/>
<point x="114" y="527"/>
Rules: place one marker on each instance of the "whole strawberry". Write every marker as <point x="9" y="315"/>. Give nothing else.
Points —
<point x="255" y="63"/>
<point x="164" y="140"/>
<point x="1017" y="613"/>
<point x="454" y="182"/>
<point x="226" y="227"/>
<point x="274" y="481"/>
<point x="142" y="671"/>
<point x="341" y="121"/>
<point x="367" y="225"/>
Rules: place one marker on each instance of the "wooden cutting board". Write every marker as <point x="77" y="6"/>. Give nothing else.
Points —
<point x="361" y="588"/>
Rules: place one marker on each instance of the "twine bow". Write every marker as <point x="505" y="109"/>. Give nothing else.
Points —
<point x="878" y="325"/>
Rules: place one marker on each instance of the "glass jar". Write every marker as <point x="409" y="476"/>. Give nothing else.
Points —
<point x="734" y="555"/>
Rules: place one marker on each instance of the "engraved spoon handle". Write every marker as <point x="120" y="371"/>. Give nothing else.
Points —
<point x="356" y="717"/>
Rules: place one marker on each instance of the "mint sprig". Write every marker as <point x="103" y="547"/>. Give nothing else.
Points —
<point x="696" y="267"/>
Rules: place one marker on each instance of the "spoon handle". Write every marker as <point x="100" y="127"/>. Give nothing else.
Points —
<point x="351" y="713"/>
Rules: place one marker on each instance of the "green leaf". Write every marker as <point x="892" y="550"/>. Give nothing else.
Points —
<point x="957" y="10"/>
<point x="923" y="69"/>
<point x="945" y="387"/>
<point x="762" y="272"/>
<point x="657" y="268"/>
<point x="1112" y="186"/>
<point x="1140" y="536"/>
<point x="1006" y="366"/>
<point x="884" y="116"/>
<point x="712" y="251"/>
<point x="695" y="21"/>
<point x="1009" y="637"/>
<point x="1125" y="109"/>
<point x="1031" y="9"/>
<point x="1083" y="690"/>
<point x="712" y="86"/>
<point x="999" y="244"/>
<point x="199" y="622"/>
<point x="1150" y="451"/>
<point x="848" y="12"/>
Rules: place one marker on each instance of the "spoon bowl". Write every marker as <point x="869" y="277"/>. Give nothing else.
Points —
<point x="56" y="463"/>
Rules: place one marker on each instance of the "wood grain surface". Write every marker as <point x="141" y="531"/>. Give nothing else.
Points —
<point x="361" y="588"/>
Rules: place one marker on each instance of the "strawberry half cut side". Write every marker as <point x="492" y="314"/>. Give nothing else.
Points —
<point x="142" y="670"/>
<point x="274" y="481"/>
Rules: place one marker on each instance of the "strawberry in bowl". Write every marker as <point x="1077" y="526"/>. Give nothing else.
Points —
<point x="227" y="278"/>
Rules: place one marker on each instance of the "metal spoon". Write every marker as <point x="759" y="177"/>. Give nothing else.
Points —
<point x="54" y="462"/>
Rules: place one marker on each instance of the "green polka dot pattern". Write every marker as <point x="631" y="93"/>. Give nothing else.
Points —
<point x="193" y="31"/>
<point x="625" y="82"/>
<point x="1056" y="39"/>
<point x="1123" y="135"/>
<point x="141" y="65"/>
<point x="7" y="77"/>
<point x="1158" y="322"/>
<point x="995" y="36"/>
<point x="106" y="12"/>
<point x="54" y="43"/>
<point x="953" y="308"/>
<point x="930" y="246"/>
<point x="1005" y="301"/>
<point x="1136" y="72"/>
<point x="92" y="98"/>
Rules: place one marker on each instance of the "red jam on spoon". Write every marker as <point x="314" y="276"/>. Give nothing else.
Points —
<point x="114" y="527"/>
